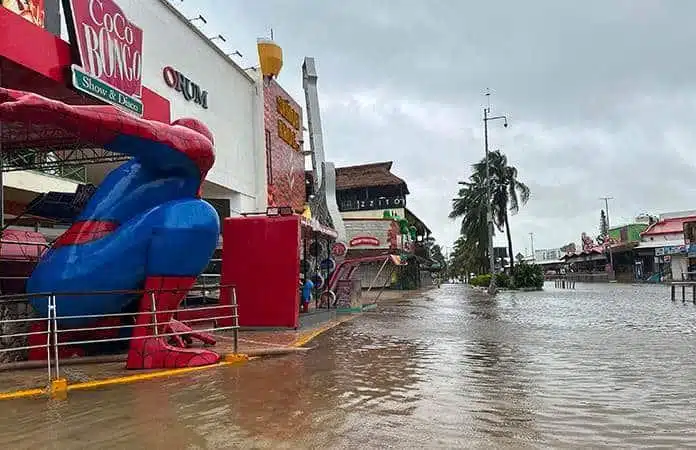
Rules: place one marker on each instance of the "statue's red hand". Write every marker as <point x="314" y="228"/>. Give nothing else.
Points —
<point x="23" y="106"/>
<point x="11" y="95"/>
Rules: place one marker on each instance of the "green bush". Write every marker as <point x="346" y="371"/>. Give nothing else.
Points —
<point x="481" y="280"/>
<point x="503" y="280"/>
<point x="528" y="276"/>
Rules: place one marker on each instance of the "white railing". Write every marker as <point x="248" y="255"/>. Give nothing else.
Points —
<point x="54" y="330"/>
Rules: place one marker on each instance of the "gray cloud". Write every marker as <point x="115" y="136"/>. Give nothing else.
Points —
<point x="601" y="97"/>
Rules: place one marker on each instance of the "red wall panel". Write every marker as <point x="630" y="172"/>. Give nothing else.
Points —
<point x="260" y="255"/>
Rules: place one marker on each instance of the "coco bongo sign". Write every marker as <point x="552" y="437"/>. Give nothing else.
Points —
<point x="110" y="49"/>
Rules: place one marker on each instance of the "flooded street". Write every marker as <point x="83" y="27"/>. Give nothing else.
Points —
<point x="599" y="366"/>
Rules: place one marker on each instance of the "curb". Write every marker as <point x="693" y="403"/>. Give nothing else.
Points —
<point x="60" y="387"/>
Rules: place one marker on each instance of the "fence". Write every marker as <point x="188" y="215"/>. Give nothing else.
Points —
<point x="56" y="328"/>
<point x="581" y="277"/>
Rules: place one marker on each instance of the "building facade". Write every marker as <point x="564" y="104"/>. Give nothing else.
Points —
<point x="182" y="71"/>
<point x="285" y="162"/>
<point x="372" y="202"/>
<point x="663" y="242"/>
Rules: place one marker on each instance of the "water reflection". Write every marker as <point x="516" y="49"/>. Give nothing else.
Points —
<point x="600" y="366"/>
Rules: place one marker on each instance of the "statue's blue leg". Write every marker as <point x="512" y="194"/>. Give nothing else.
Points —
<point x="176" y="238"/>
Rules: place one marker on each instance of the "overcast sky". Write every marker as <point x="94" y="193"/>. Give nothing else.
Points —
<point x="601" y="97"/>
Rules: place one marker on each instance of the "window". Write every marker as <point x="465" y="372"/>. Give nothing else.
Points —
<point x="269" y="162"/>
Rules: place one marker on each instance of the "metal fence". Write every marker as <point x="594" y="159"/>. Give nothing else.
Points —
<point x="55" y="327"/>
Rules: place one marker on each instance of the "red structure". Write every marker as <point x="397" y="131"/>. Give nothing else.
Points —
<point x="285" y="168"/>
<point x="34" y="60"/>
<point x="47" y="72"/>
<point x="260" y="255"/>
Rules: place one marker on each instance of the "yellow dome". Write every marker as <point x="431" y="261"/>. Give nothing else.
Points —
<point x="270" y="57"/>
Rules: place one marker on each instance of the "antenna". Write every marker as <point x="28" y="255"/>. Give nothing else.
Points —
<point x="488" y="99"/>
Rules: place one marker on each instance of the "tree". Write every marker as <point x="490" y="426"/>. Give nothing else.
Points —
<point x="507" y="194"/>
<point x="437" y="256"/>
<point x="470" y="206"/>
<point x="463" y="261"/>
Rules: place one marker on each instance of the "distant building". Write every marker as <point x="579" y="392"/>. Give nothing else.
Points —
<point x="372" y="202"/>
<point x="547" y="254"/>
<point x="662" y="250"/>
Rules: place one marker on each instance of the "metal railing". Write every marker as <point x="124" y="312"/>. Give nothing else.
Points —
<point x="56" y="327"/>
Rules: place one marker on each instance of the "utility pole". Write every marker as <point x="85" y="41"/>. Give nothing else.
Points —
<point x="489" y="208"/>
<point x="606" y="210"/>
<point x="531" y="240"/>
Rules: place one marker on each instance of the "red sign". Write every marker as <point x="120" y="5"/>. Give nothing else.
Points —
<point x="364" y="240"/>
<point x="111" y="46"/>
<point x="339" y="249"/>
<point x="285" y="165"/>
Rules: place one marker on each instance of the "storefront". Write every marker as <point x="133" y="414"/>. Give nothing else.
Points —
<point x="142" y="57"/>
<point x="153" y="78"/>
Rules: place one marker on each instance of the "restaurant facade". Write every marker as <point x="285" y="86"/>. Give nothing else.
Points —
<point x="130" y="55"/>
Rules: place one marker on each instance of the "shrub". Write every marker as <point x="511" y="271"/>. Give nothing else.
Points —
<point x="481" y="280"/>
<point x="503" y="280"/>
<point x="528" y="276"/>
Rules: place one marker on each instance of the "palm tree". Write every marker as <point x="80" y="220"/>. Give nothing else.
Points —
<point x="507" y="194"/>
<point x="470" y="205"/>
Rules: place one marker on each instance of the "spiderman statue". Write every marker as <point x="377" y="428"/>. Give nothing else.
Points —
<point x="145" y="227"/>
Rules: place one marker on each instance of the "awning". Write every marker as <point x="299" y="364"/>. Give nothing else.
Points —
<point x="661" y="243"/>
<point x="315" y="225"/>
<point x="549" y="262"/>
<point x="586" y="257"/>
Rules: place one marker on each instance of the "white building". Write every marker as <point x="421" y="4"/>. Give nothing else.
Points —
<point x="666" y="239"/>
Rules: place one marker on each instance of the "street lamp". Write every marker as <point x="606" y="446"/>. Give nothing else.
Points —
<point x="489" y="208"/>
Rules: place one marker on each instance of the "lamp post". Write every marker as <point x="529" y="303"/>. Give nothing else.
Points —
<point x="489" y="207"/>
<point x="531" y="242"/>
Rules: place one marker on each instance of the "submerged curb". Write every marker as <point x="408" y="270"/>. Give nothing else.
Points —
<point x="59" y="388"/>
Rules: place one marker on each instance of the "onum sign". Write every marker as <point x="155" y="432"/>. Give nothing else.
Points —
<point x="190" y="90"/>
<point x="110" y="48"/>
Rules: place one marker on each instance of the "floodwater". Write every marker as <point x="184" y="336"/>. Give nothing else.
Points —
<point x="598" y="366"/>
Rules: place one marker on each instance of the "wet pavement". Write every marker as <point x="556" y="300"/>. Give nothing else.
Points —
<point x="598" y="366"/>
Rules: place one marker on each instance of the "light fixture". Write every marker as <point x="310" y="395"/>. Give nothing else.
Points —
<point x="200" y="17"/>
<point x="219" y="36"/>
